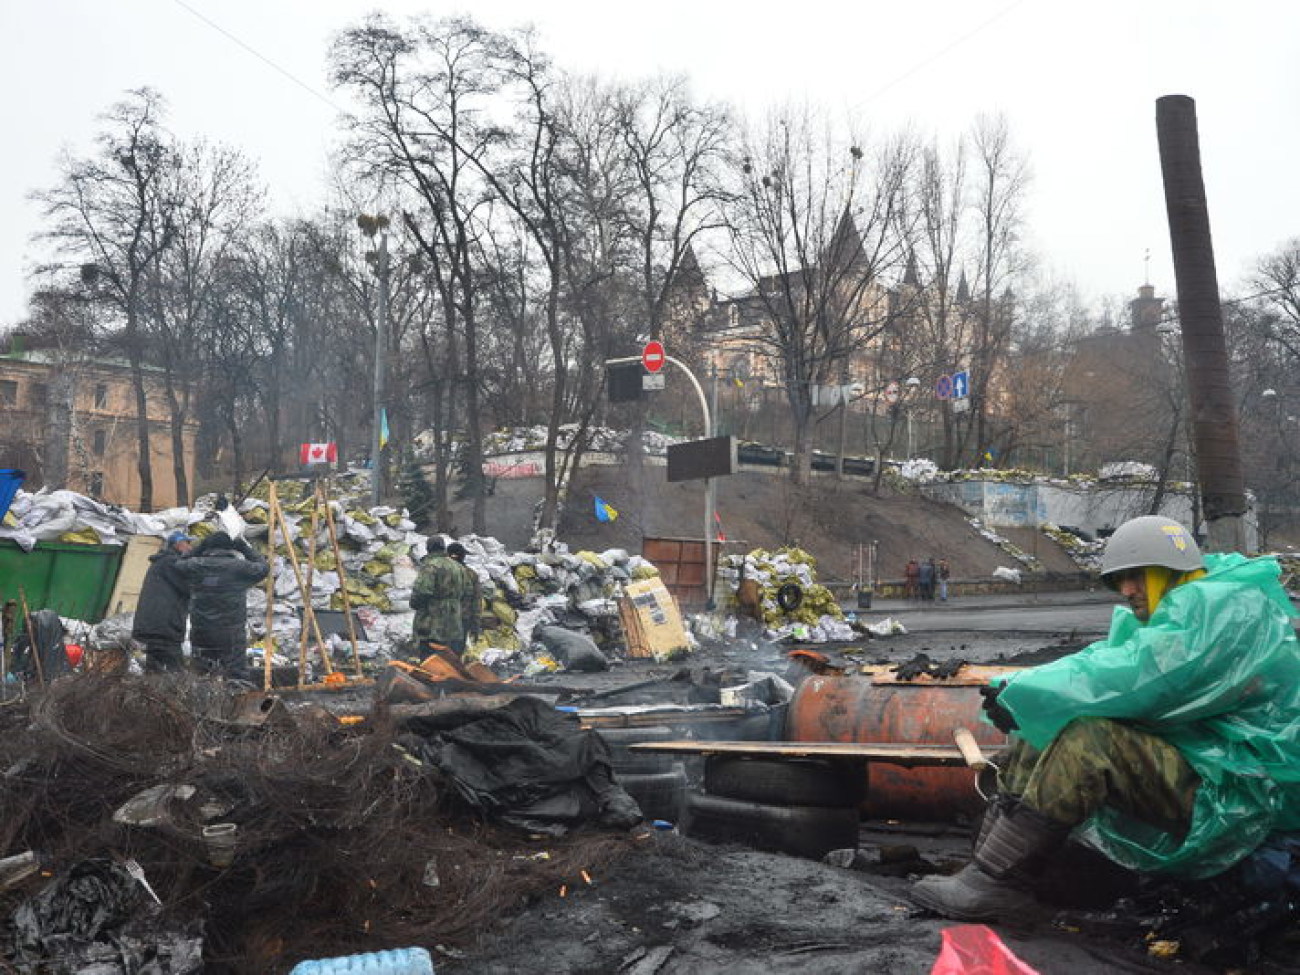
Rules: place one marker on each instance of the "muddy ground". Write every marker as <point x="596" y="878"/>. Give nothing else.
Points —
<point x="674" y="905"/>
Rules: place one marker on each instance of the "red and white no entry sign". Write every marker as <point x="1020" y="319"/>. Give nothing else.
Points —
<point x="652" y="356"/>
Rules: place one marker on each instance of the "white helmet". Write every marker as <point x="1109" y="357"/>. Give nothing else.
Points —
<point x="1146" y="541"/>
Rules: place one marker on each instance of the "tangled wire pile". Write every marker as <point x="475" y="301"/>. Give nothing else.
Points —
<point x="344" y="846"/>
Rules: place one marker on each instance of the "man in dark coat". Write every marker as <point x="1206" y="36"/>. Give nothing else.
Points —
<point x="219" y="572"/>
<point x="159" y="621"/>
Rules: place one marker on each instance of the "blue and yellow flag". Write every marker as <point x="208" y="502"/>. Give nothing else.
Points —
<point x="604" y="510"/>
<point x="383" y="428"/>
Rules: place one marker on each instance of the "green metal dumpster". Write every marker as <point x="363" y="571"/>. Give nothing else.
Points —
<point x="75" y="581"/>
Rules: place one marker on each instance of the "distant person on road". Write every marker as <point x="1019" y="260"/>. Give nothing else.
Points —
<point x="926" y="579"/>
<point x="436" y="599"/>
<point x="219" y="572"/>
<point x="911" y="579"/>
<point x="1171" y="745"/>
<point x="942" y="573"/>
<point x="162" y="606"/>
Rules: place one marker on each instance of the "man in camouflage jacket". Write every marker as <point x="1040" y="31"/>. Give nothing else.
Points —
<point x="436" y="599"/>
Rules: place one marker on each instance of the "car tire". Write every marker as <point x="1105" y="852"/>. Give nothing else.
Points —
<point x="790" y="596"/>
<point x="630" y="762"/>
<point x="807" y="831"/>
<point x="661" y="795"/>
<point x="782" y="782"/>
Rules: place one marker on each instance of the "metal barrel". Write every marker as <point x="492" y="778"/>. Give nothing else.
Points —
<point x="879" y="709"/>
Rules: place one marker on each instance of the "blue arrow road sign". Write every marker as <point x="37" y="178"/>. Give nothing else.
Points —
<point x="943" y="388"/>
<point x="960" y="385"/>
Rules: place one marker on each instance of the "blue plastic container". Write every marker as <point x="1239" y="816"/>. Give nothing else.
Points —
<point x="10" y="481"/>
<point x="402" y="961"/>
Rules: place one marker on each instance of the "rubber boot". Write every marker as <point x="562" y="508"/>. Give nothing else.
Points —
<point x="999" y="805"/>
<point x="995" y="886"/>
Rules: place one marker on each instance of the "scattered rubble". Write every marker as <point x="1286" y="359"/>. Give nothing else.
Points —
<point x="344" y="841"/>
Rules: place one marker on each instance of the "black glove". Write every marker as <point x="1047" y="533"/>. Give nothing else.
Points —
<point x="244" y="549"/>
<point x="1002" y="718"/>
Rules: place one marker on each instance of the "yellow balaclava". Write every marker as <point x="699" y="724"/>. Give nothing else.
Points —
<point x="1160" y="580"/>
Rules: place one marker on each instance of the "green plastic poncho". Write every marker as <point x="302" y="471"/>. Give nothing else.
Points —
<point x="1216" y="673"/>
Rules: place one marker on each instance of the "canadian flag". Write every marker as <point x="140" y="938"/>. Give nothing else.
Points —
<point x="318" y="453"/>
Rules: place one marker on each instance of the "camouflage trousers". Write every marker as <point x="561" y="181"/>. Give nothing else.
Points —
<point x="1096" y="762"/>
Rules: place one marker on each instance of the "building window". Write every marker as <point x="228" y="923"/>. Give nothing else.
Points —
<point x="101" y="396"/>
<point x="38" y="394"/>
<point x="96" y="484"/>
<point x="101" y="441"/>
<point x="8" y="392"/>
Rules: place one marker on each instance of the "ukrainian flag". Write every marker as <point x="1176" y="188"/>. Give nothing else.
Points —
<point x="604" y="510"/>
<point x="383" y="428"/>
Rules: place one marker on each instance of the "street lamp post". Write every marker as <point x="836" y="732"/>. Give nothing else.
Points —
<point x="911" y="383"/>
<point x="708" y="481"/>
<point x="371" y="226"/>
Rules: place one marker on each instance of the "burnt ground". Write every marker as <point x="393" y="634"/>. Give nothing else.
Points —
<point x="676" y="905"/>
<point x="681" y="907"/>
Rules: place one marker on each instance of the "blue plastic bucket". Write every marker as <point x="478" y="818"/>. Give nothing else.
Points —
<point x="403" y="961"/>
<point x="10" y="481"/>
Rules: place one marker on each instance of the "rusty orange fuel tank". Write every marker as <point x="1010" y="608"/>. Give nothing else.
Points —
<point x="879" y="708"/>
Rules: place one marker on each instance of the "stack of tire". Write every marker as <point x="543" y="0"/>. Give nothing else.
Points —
<point x="804" y="807"/>
<point x="653" y="779"/>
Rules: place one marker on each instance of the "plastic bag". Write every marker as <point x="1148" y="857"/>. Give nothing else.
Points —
<point x="974" y="949"/>
<point x="113" y="633"/>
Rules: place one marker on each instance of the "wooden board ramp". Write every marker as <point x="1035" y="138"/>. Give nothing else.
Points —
<point x="906" y="755"/>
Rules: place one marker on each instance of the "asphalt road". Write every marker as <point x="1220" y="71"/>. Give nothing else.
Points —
<point x="1063" y="612"/>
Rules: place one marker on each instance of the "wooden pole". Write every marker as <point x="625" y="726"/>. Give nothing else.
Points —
<point x="308" y="616"/>
<point x="268" y="641"/>
<point x="343" y="586"/>
<point x="311" y="570"/>
<point x="31" y="637"/>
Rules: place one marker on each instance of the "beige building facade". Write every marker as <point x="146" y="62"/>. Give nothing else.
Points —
<point x="71" y="422"/>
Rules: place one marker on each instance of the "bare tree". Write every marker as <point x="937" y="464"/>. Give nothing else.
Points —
<point x="1277" y="281"/>
<point x="818" y="223"/>
<point x="112" y="213"/>
<point x="999" y="181"/>
<point x="938" y="308"/>
<point x="213" y="193"/>
<point x="424" y="95"/>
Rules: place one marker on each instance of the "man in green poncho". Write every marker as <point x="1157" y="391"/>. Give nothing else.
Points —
<point x="1172" y="745"/>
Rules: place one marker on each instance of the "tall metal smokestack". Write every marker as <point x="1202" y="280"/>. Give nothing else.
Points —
<point x="1214" y="413"/>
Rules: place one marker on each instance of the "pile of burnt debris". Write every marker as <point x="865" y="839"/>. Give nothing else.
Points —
<point x="179" y="826"/>
<point x="165" y="826"/>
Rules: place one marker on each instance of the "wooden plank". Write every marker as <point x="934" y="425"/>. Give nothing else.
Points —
<point x="888" y="753"/>
<point x="130" y="577"/>
<point x="657" y="718"/>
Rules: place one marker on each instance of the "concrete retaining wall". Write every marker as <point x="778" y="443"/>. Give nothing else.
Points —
<point x="1096" y="510"/>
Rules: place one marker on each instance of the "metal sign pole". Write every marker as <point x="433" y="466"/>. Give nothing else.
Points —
<point x="708" y="482"/>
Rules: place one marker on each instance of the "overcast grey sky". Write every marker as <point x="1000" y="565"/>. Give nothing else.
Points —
<point x="1078" y="83"/>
